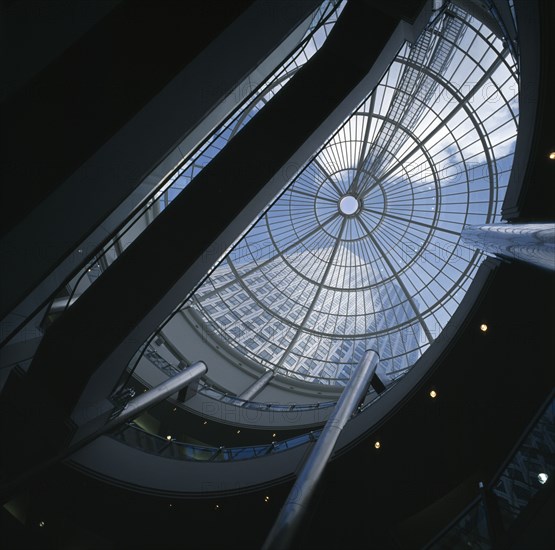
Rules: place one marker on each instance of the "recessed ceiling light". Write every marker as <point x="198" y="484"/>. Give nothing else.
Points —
<point x="433" y="394"/>
<point x="273" y="435"/>
<point x="483" y="327"/>
<point x="552" y="155"/>
<point x="205" y="422"/>
<point x="217" y="507"/>
<point x="377" y="445"/>
<point x="168" y="437"/>
<point x="542" y="477"/>
<point x="41" y="524"/>
<point x="266" y="499"/>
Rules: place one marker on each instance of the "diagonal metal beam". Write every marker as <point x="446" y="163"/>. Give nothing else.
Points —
<point x="329" y="265"/>
<point x="400" y="282"/>
<point x="463" y="101"/>
<point x="366" y="146"/>
<point x="327" y="176"/>
<point x="412" y="221"/>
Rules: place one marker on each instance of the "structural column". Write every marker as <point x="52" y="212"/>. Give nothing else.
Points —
<point x="157" y="394"/>
<point x="254" y="389"/>
<point x="13" y="478"/>
<point x="533" y="243"/>
<point x="293" y="510"/>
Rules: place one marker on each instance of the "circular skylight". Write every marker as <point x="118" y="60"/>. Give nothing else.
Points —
<point x="348" y="205"/>
<point x="363" y="249"/>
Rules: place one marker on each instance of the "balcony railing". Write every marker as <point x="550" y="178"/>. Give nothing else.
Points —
<point x="210" y="391"/>
<point x="134" y="436"/>
<point x="214" y="393"/>
<point x="206" y="389"/>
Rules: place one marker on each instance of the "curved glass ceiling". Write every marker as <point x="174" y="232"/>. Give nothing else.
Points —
<point x="363" y="249"/>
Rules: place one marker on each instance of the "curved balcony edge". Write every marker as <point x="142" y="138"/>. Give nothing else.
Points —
<point x="141" y="471"/>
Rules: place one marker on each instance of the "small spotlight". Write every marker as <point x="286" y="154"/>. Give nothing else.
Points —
<point x="377" y="445"/>
<point x="174" y="409"/>
<point x="542" y="477"/>
<point x="273" y="435"/>
<point x="169" y="437"/>
<point x="238" y="431"/>
<point x="483" y="327"/>
<point x="171" y="505"/>
<point x="205" y="422"/>
<point x="266" y="499"/>
<point x="217" y="507"/>
<point x="41" y="523"/>
<point x="433" y="394"/>
<point x="552" y="155"/>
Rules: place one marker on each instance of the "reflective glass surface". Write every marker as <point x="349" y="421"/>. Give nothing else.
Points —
<point x="363" y="248"/>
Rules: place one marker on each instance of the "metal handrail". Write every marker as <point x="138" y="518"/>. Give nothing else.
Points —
<point x="134" y="436"/>
<point x="209" y="391"/>
<point x="467" y="512"/>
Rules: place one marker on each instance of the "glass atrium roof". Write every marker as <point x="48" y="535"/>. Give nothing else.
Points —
<point x="363" y="248"/>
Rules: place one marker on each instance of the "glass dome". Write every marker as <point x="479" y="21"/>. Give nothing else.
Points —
<point x="363" y="248"/>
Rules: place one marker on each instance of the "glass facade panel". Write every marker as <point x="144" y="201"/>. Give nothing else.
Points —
<point x="428" y="152"/>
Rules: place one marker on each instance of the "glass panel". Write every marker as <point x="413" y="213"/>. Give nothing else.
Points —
<point x="363" y="249"/>
<point x="530" y="468"/>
